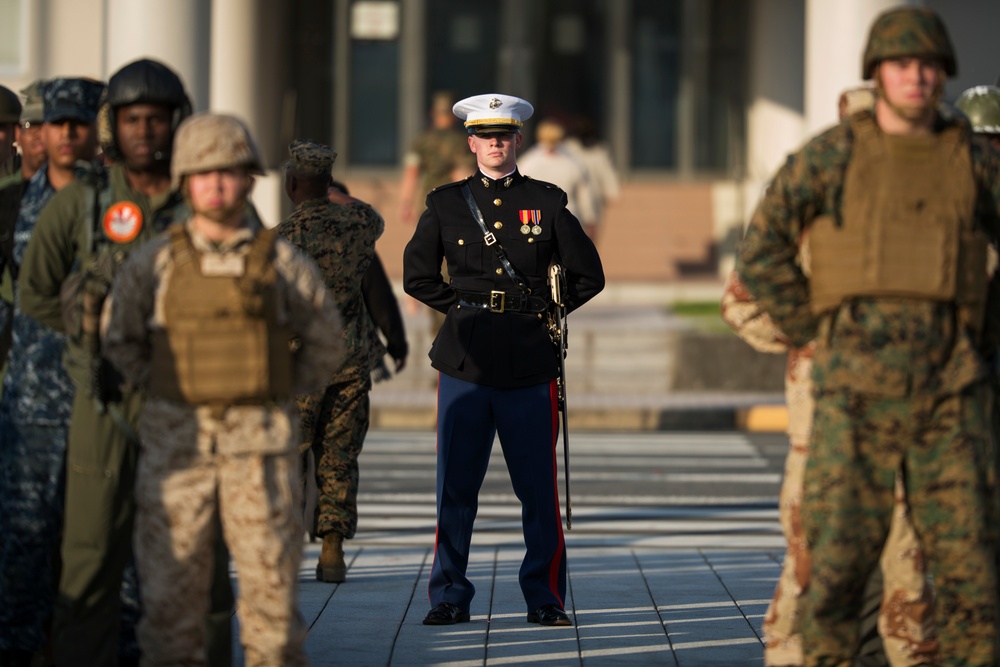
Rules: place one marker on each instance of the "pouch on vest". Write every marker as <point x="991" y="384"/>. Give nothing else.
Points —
<point x="908" y="225"/>
<point x="221" y="343"/>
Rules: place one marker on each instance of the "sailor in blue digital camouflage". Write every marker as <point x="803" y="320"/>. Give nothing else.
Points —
<point x="340" y="237"/>
<point x="38" y="395"/>
<point x="28" y="135"/>
<point x="221" y="323"/>
<point x="900" y="205"/>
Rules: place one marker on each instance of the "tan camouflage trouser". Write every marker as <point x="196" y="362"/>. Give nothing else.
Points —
<point x="180" y="488"/>
<point x="905" y="621"/>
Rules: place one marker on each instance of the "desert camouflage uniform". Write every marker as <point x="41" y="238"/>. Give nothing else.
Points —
<point x="96" y="605"/>
<point x="341" y="239"/>
<point x="34" y="421"/>
<point x="898" y="385"/>
<point x="904" y="620"/>
<point x="238" y="462"/>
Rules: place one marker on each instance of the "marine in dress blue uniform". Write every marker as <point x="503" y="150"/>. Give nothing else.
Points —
<point x="497" y="365"/>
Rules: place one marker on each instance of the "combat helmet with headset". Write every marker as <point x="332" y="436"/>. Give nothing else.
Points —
<point x="143" y="81"/>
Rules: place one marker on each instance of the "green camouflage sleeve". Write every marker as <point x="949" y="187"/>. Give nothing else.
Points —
<point x="766" y="259"/>
<point x="808" y="185"/>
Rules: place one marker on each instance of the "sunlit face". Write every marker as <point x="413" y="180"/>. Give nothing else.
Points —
<point x="496" y="152"/>
<point x="68" y="140"/>
<point x="911" y="87"/>
<point x="219" y="195"/>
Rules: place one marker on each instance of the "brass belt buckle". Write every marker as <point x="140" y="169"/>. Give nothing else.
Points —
<point x="496" y="301"/>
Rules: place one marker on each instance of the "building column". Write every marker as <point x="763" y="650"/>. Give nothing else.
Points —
<point x="836" y="34"/>
<point x="774" y="117"/>
<point x="247" y="66"/>
<point x="175" y="33"/>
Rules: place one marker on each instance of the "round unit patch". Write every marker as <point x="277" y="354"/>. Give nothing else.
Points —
<point x="123" y="222"/>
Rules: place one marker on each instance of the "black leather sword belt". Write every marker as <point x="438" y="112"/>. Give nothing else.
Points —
<point x="502" y="302"/>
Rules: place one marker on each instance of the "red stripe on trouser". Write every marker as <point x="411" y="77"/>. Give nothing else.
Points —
<point x="437" y="447"/>
<point x="554" y="566"/>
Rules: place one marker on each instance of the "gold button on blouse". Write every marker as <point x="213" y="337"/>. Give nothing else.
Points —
<point x="497" y="225"/>
<point x="461" y="242"/>
<point x="497" y="202"/>
<point x="499" y="272"/>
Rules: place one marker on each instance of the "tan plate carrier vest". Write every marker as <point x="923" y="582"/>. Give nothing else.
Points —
<point x="908" y="224"/>
<point x="221" y="344"/>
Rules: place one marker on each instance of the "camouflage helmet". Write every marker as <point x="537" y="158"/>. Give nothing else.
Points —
<point x="143" y="81"/>
<point x="209" y="141"/>
<point x="33" y="111"/>
<point x="904" y="32"/>
<point x="981" y="105"/>
<point x="10" y="106"/>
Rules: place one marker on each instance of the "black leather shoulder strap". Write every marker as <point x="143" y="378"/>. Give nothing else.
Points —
<point x="491" y="240"/>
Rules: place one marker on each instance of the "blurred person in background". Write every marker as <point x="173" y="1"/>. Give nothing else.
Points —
<point x="340" y="238"/>
<point x="585" y="145"/>
<point x="550" y="161"/>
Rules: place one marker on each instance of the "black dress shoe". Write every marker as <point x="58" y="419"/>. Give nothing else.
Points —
<point x="445" y="613"/>
<point x="549" y="615"/>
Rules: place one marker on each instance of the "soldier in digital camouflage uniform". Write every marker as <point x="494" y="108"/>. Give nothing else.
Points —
<point x="899" y="205"/>
<point x="340" y="237"/>
<point x="897" y="600"/>
<point x="981" y="105"/>
<point x="440" y="155"/>
<point x="203" y="318"/>
<point x="37" y="397"/>
<point x="28" y="136"/>
<point x="81" y="237"/>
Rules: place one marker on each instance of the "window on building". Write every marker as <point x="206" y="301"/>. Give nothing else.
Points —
<point x="688" y="81"/>
<point x="571" y="83"/>
<point x="656" y="58"/>
<point x="663" y="81"/>
<point x="462" y="46"/>
<point x="374" y="82"/>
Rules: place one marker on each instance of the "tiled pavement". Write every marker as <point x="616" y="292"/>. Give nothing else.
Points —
<point x="631" y="606"/>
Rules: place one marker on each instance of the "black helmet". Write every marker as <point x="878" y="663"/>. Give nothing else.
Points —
<point x="143" y="81"/>
<point x="10" y="106"/>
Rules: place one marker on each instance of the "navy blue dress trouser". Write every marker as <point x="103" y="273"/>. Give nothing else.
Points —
<point x="525" y="418"/>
